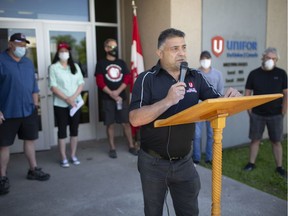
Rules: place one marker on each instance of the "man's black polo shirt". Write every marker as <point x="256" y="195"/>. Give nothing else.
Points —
<point x="152" y="86"/>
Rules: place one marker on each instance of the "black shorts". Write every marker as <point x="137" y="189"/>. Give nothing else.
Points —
<point x="63" y="119"/>
<point x="274" y="126"/>
<point x="112" y="115"/>
<point x="27" y="128"/>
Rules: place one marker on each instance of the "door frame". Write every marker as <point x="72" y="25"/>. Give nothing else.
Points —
<point x="87" y="131"/>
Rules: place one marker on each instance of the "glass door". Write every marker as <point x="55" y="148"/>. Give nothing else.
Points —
<point x="44" y="37"/>
<point x="80" y="39"/>
<point x="34" y="51"/>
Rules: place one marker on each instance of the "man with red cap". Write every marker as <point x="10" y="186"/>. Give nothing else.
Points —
<point x="18" y="108"/>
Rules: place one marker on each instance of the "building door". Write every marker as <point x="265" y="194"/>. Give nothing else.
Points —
<point x="34" y="52"/>
<point x="80" y="39"/>
<point x="43" y="39"/>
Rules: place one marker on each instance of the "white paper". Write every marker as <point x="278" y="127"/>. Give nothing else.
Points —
<point x="79" y="104"/>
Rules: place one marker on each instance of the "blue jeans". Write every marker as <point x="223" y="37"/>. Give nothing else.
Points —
<point x="159" y="175"/>
<point x="197" y="141"/>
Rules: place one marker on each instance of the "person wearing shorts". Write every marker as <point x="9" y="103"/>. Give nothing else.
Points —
<point x="66" y="83"/>
<point x="267" y="79"/>
<point x="18" y="108"/>
<point x="112" y="78"/>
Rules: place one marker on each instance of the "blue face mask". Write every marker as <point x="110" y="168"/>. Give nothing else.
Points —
<point x="19" y="52"/>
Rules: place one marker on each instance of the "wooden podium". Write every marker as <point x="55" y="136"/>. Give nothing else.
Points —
<point x="216" y="111"/>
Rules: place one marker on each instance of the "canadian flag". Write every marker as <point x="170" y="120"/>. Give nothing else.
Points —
<point x="137" y="63"/>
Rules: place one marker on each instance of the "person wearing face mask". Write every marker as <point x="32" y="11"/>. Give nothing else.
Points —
<point x="18" y="108"/>
<point x="267" y="79"/>
<point x="112" y="78"/>
<point x="215" y="78"/>
<point x="66" y="83"/>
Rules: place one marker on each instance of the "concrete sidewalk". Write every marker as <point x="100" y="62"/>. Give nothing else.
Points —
<point x="101" y="186"/>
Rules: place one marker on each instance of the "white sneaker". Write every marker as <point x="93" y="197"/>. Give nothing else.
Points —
<point x="64" y="163"/>
<point x="75" y="161"/>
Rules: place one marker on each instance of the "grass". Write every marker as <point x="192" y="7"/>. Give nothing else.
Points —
<point x="264" y="176"/>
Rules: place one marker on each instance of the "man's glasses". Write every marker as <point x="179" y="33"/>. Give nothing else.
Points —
<point x="111" y="47"/>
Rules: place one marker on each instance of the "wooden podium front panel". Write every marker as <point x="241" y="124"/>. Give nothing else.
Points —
<point x="211" y="108"/>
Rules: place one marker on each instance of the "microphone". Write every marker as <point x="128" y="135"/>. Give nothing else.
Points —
<point x="183" y="70"/>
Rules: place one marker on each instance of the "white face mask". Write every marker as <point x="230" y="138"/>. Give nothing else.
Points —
<point x="269" y="64"/>
<point x="19" y="52"/>
<point x="64" y="56"/>
<point x="205" y="63"/>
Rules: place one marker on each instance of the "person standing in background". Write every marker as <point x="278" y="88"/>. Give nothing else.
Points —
<point x="18" y="108"/>
<point x="215" y="78"/>
<point x="66" y="83"/>
<point x="112" y="78"/>
<point x="267" y="79"/>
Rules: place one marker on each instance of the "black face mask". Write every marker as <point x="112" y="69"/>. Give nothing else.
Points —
<point x="113" y="52"/>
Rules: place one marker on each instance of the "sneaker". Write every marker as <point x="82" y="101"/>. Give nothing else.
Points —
<point x="64" y="163"/>
<point x="4" y="185"/>
<point x="112" y="153"/>
<point x="196" y="162"/>
<point x="209" y="162"/>
<point x="75" y="161"/>
<point x="37" y="174"/>
<point x="249" y="167"/>
<point x="281" y="172"/>
<point x="133" y="151"/>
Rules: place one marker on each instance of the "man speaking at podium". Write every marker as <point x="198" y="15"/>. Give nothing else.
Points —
<point x="165" y="161"/>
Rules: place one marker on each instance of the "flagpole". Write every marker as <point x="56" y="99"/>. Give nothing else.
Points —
<point x="137" y="63"/>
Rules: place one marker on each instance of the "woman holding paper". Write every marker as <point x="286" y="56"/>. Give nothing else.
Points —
<point x="66" y="83"/>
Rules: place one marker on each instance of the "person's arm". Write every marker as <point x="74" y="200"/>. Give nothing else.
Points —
<point x="149" y="113"/>
<point x="231" y="92"/>
<point x="117" y="92"/>
<point x="248" y="92"/>
<point x="35" y="99"/>
<point x="72" y="99"/>
<point x="284" y="103"/>
<point x="58" y="93"/>
<point x="1" y="118"/>
<point x="122" y="87"/>
<point x="102" y="85"/>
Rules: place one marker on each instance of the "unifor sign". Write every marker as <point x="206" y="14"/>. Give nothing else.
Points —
<point x="234" y="48"/>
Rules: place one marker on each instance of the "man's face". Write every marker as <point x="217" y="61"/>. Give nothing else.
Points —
<point x="172" y="53"/>
<point x="269" y="61"/>
<point x="110" y="46"/>
<point x="269" y="56"/>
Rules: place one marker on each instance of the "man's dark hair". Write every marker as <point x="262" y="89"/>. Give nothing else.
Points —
<point x="169" y="33"/>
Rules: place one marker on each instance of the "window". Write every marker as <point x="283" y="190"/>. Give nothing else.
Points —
<point x="106" y="11"/>
<point x="71" y="10"/>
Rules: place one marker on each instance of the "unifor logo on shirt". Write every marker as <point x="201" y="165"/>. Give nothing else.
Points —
<point x="114" y="73"/>
<point x="191" y="88"/>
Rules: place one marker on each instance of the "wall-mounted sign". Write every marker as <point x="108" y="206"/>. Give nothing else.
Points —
<point x="234" y="48"/>
<point x="217" y="45"/>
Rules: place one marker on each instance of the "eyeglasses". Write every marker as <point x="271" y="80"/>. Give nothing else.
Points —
<point x="268" y="57"/>
<point x="111" y="47"/>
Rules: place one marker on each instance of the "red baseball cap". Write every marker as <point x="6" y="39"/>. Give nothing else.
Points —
<point x="63" y="45"/>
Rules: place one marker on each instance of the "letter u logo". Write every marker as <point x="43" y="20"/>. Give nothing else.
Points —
<point x="217" y="44"/>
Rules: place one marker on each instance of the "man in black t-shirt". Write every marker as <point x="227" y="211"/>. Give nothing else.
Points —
<point x="267" y="79"/>
<point x="165" y="159"/>
<point x="112" y="78"/>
